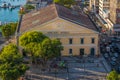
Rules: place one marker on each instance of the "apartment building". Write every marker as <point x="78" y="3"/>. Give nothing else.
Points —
<point x="115" y="11"/>
<point x="114" y="18"/>
<point x="109" y="12"/>
<point x="76" y="32"/>
<point x="94" y="6"/>
<point x="100" y="8"/>
<point x="104" y="6"/>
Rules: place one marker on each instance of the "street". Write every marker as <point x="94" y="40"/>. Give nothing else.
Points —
<point x="77" y="69"/>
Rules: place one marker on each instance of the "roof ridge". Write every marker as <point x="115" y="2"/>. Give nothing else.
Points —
<point x="51" y="12"/>
<point x="56" y="11"/>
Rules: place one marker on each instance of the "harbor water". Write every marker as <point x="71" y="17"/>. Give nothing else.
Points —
<point x="10" y="14"/>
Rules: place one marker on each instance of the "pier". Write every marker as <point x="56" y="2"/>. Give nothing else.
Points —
<point x="3" y="23"/>
<point x="8" y="5"/>
<point x="9" y="10"/>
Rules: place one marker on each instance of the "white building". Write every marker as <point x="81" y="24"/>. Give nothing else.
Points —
<point x="93" y="6"/>
<point x="104" y="6"/>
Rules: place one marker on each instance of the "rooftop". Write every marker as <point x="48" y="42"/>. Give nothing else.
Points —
<point x="50" y="12"/>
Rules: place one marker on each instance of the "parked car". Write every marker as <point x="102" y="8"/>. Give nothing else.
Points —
<point x="118" y="70"/>
<point x="114" y="39"/>
<point x="116" y="49"/>
<point x="113" y="58"/>
<point x="106" y="55"/>
<point x="112" y="50"/>
<point x="116" y="55"/>
<point x="109" y="42"/>
<point x="111" y="54"/>
<point x="113" y="63"/>
<point x="118" y="40"/>
<point x="114" y="45"/>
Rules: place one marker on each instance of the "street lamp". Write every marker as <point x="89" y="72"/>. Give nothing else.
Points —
<point x="84" y="56"/>
<point x="18" y="26"/>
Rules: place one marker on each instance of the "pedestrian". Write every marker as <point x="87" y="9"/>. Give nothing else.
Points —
<point x="108" y="49"/>
<point x="97" y="65"/>
<point x="103" y="40"/>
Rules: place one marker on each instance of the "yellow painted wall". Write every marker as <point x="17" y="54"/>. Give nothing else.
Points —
<point x="76" y="45"/>
<point x="59" y="26"/>
<point x="76" y="50"/>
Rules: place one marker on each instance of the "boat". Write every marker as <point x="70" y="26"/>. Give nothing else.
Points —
<point x="9" y="4"/>
<point x="0" y="23"/>
<point x="4" y="5"/>
<point x="12" y="7"/>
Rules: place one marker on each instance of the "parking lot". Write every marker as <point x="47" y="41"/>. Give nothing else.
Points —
<point x="87" y="68"/>
<point x="111" y="51"/>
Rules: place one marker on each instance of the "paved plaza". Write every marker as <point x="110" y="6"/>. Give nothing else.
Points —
<point x="77" y="69"/>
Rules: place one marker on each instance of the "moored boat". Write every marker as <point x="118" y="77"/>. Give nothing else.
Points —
<point x="4" y="5"/>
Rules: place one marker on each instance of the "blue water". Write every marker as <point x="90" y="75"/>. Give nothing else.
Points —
<point x="7" y="15"/>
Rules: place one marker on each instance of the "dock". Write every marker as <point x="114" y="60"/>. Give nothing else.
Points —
<point x="8" y="5"/>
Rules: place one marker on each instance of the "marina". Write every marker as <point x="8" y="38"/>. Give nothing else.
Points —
<point x="8" y="5"/>
<point x="9" y="10"/>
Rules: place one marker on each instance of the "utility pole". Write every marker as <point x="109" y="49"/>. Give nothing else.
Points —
<point x="18" y="28"/>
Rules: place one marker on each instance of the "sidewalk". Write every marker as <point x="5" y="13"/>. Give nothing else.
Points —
<point x="105" y="64"/>
<point x="78" y="68"/>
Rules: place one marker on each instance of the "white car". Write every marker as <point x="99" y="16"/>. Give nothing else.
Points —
<point x="113" y="63"/>
<point x="113" y="59"/>
<point x="106" y="55"/>
<point x="116" y="55"/>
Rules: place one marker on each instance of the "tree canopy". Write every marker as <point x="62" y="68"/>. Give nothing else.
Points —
<point x="66" y="3"/>
<point x="29" y="7"/>
<point x="40" y="45"/>
<point x="31" y="42"/>
<point x="113" y="75"/>
<point x="11" y="63"/>
<point x="8" y="29"/>
<point x="50" y="49"/>
<point x="31" y="37"/>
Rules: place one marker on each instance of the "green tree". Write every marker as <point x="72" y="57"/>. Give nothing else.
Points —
<point x="113" y="75"/>
<point x="13" y="27"/>
<point x="57" y="47"/>
<point x="9" y="29"/>
<point x="6" y="31"/>
<point x="59" y="2"/>
<point x="50" y="49"/>
<point x="31" y="37"/>
<point x="46" y="50"/>
<point x="40" y="46"/>
<point x="66" y="3"/>
<point x="11" y="63"/>
<point x="31" y="42"/>
<point x="29" y="7"/>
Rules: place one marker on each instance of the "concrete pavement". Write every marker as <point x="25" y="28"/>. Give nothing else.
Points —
<point x="78" y="69"/>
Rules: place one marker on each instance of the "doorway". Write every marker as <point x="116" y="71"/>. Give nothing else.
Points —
<point x="92" y="51"/>
<point x="81" y="51"/>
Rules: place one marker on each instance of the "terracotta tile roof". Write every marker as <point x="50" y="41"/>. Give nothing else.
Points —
<point x="76" y="17"/>
<point x="38" y="17"/>
<point x="52" y="11"/>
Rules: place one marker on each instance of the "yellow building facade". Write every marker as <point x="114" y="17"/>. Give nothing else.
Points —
<point x="77" y="38"/>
